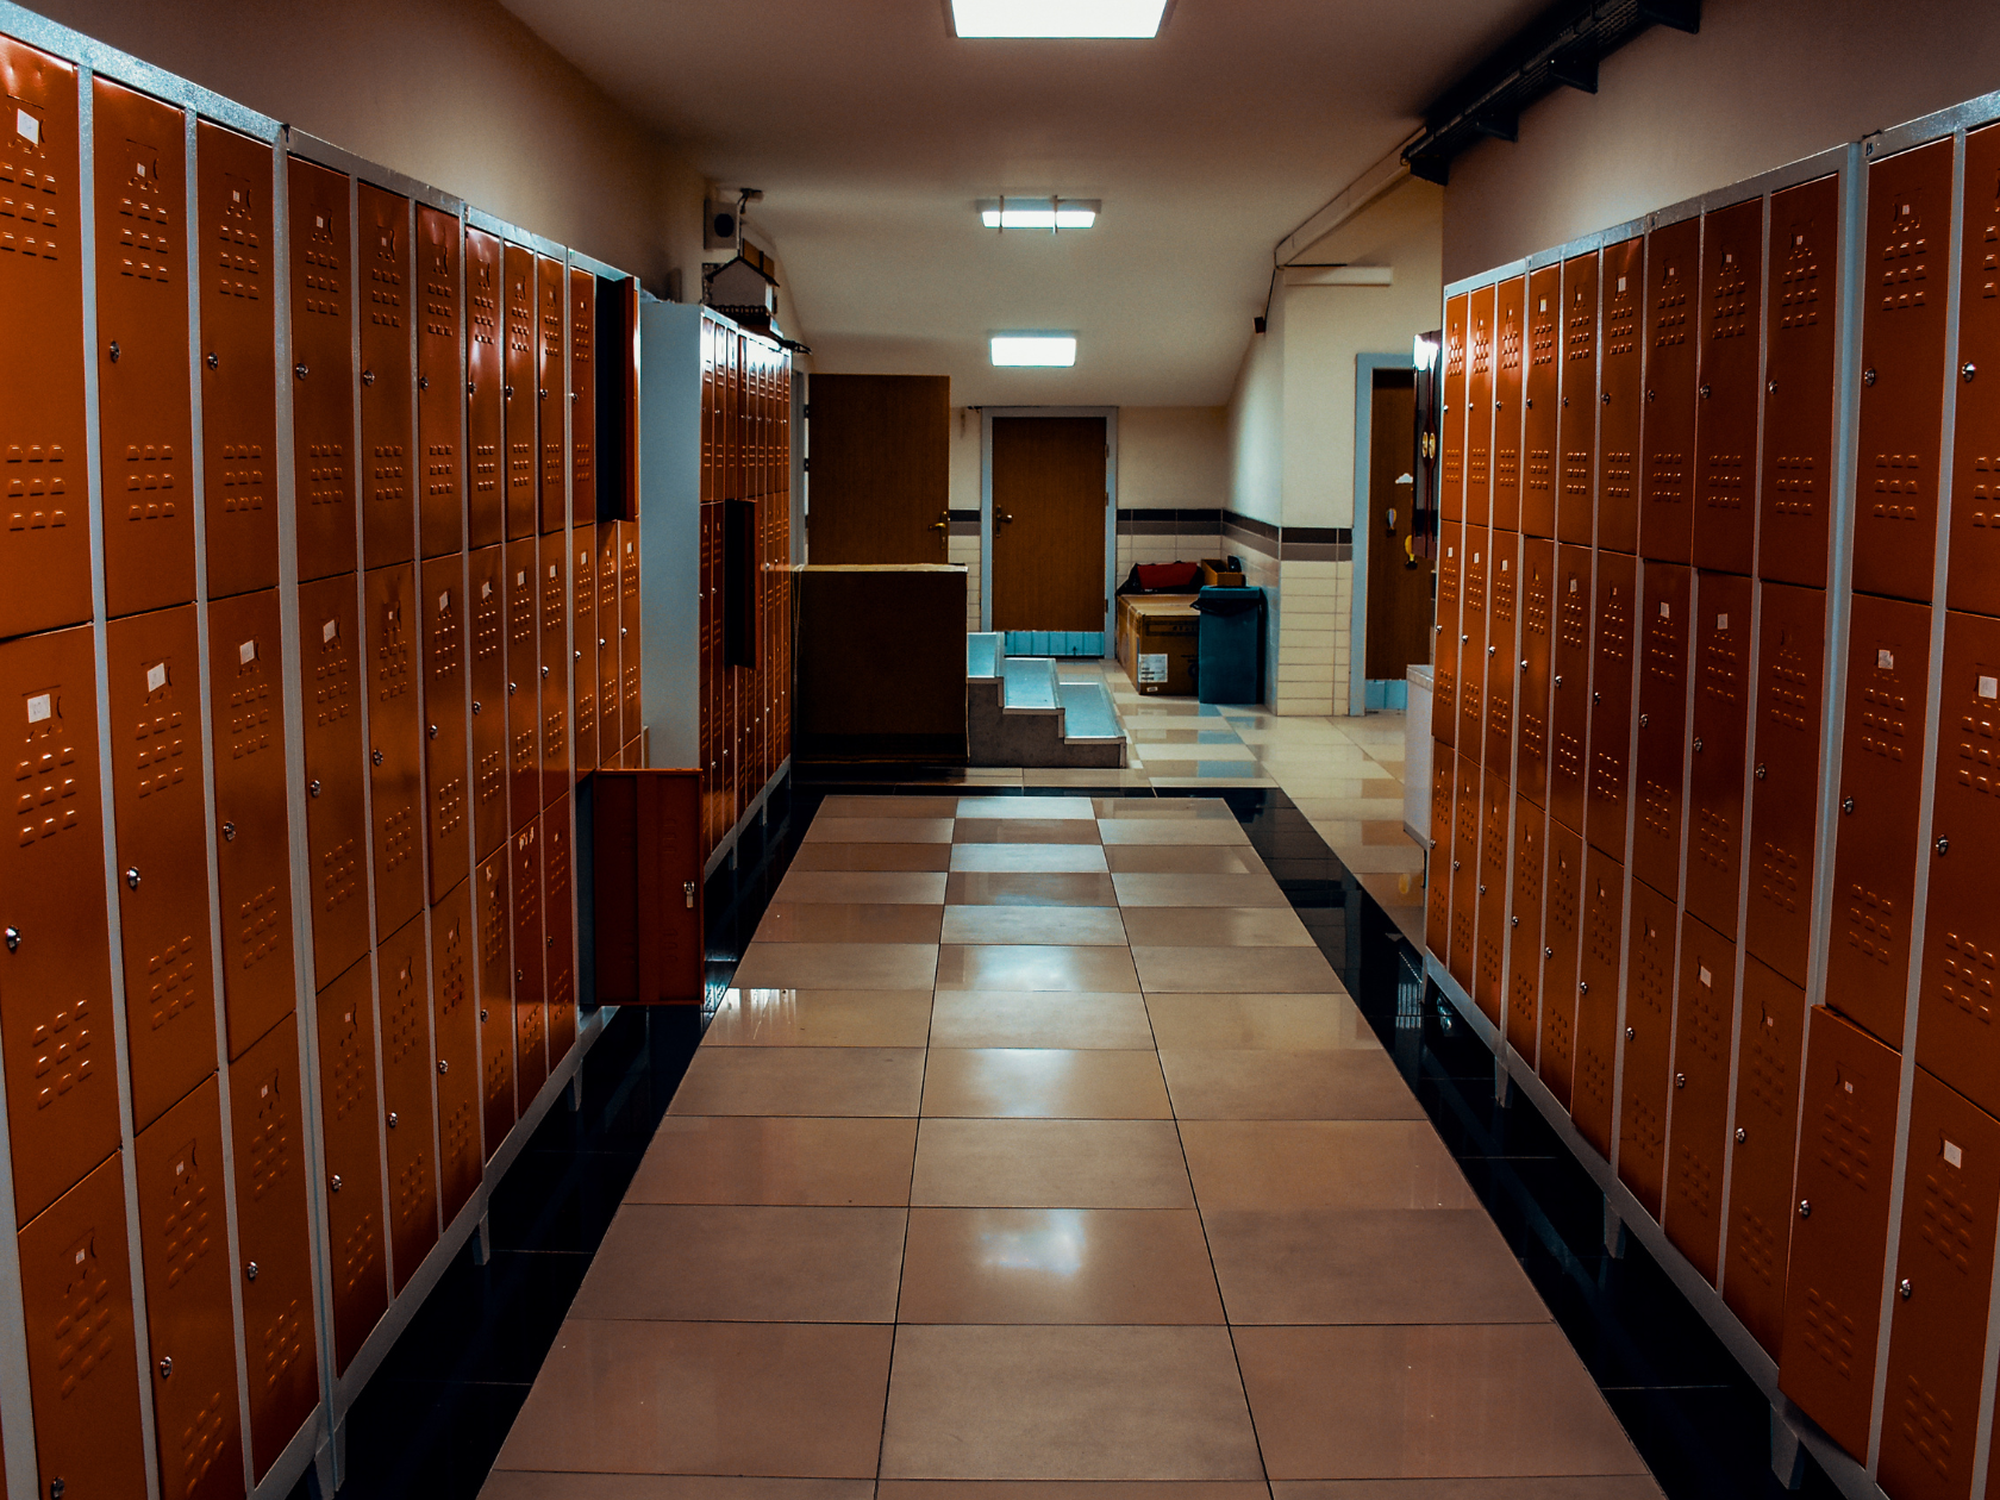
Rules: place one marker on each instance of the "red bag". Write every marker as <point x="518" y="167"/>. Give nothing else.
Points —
<point x="1175" y="575"/>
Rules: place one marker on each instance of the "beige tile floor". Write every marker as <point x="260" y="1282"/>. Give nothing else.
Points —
<point x="996" y="1184"/>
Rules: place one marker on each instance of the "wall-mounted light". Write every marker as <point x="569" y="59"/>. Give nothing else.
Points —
<point x="1424" y="353"/>
<point x="1034" y="350"/>
<point x="1127" y="19"/>
<point x="1039" y="213"/>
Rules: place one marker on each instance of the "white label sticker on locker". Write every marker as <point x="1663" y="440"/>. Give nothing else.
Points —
<point x="40" y="707"/>
<point x="1707" y="979"/>
<point x="485" y="589"/>
<point x="156" y="677"/>
<point x="444" y="602"/>
<point x="1953" y="1154"/>
<point x="1722" y="622"/>
<point x="1153" y="668"/>
<point x="1572" y="585"/>
<point x="1621" y="283"/>
<point x="246" y="653"/>
<point x="1989" y="687"/>
<point x="1475" y="559"/>
<point x="1666" y="610"/>
<point x="329" y="632"/>
<point x="27" y="127"/>
<point x="1885" y="661"/>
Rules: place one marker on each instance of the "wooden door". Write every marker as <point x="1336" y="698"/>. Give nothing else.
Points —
<point x="1048" y="523"/>
<point x="1399" y="577"/>
<point x="878" y="469"/>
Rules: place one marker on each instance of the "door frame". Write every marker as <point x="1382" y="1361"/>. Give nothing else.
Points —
<point x="1365" y="366"/>
<point x="986" y="416"/>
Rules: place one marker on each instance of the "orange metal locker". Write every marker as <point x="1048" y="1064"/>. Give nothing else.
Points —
<point x="1591" y="1104"/>
<point x="239" y="398"/>
<point x="1903" y="375"/>
<point x="1718" y="746"/>
<point x="389" y="472"/>
<point x="583" y="395"/>
<point x="1437" y="865"/>
<point x="531" y="1052"/>
<point x="1471" y="733"/>
<point x="1451" y="469"/>
<point x="1537" y="609"/>
<point x="555" y="651"/>
<point x="485" y="374"/>
<point x="1540" y="402"/>
<point x="83" y="1364"/>
<point x="322" y="274"/>
<point x="583" y="651"/>
<point x="280" y="1342"/>
<point x="1608" y="799"/>
<point x="1785" y="784"/>
<point x="1840" y="1236"/>
<point x="631" y="637"/>
<point x="156" y="791"/>
<point x="253" y="856"/>
<point x="1444" y="686"/>
<point x="493" y="914"/>
<point x="610" y="726"/>
<point x="1881" y="792"/>
<point x="1661" y="762"/>
<point x="336" y="811"/>
<point x="1944" y="1275"/>
<point x="1692" y="1213"/>
<point x="190" y="1316"/>
<point x="550" y="303"/>
<point x="444" y="613"/>
<point x="395" y="750"/>
<point x="646" y="874"/>
<point x="524" y="675"/>
<point x="1576" y="427"/>
<point x="1646" y="1046"/>
<point x="441" y="503"/>
<point x="409" y="1110"/>
<point x="45" y="545"/>
<point x="1489" y="965"/>
<point x="1973" y="581"/>
<point x="558" y="875"/>
<point x="62" y="1088"/>
<point x="1510" y="338"/>
<point x="1524" y="964"/>
<point x="1562" y="933"/>
<point x="1761" y="1208"/>
<point x="487" y="597"/>
<point x="1569" y="711"/>
<point x="1732" y="280"/>
<point x="350" y="1117"/>
<point x="1620" y="400"/>
<point x="1801" y="321"/>
<point x="1464" y="870"/>
<point x="455" y="1029"/>
<point x="1503" y="594"/>
<point x="1478" y="420"/>
<point x="518" y="390"/>
<point x="1673" y="269"/>
<point x="144" y="405"/>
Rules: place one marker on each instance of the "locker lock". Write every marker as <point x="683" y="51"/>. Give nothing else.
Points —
<point x="444" y="1066"/>
<point x="375" y="756"/>
<point x="13" y="939"/>
<point x="1772" y="387"/>
<point x="166" y="1365"/>
<point x="471" y="387"/>
<point x="1943" y="845"/>
<point x="423" y="382"/>
<point x="1968" y="370"/>
<point x="1482" y="887"/>
<point x="1868" y="376"/>
<point x="545" y="674"/>
<point x="1760" y="773"/>
<point x="114" y="351"/>
<point x="434" y="731"/>
<point x="250" y="1271"/>
<point x="1583" y="986"/>
<point x="475" y="705"/>
<point x="1742" y="1135"/>
<point x="392" y="1119"/>
<point x="1454" y="864"/>
<point x="482" y="1013"/>
<point x="1524" y="664"/>
<point x="336" y="1182"/>
<point x="1605" y="398"/>
<point x="687" y="889"/>
<point x="1642" y="721"/>
<point x="1529" y="403"/>
<point x="214" y="360"/>
<point x="1491" y="649"/>
<point x="507" y="391"/>
<point x="1548" y="952"/>
<point x="1805" y="1208"/>
<point x="1559" y="679"/>
<point x="132" y="878"/>
<point x="228" y="833"/>
<point x="1705" y="392"/>
<point x="1597" y="697"/>
<point x="1847" y="804"/>
<point x="510" y="690"/>
<point x="1680" y="1080"/>
<point x="313" y="787"/>
<point x="367" y="377"/>
<point x="1631" y="1033"/>
<point x="299" y="371"/>
<point x="1697" y="744"/>
<point x="1652" y="395"/>
<point x="543" y="393"/>
<point x="56" y="1488"/>
<point x="1904" y="1289"/>
<point x="1513" y="921"/>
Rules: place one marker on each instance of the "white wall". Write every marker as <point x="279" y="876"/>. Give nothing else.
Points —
<point x="1173" y="456"/>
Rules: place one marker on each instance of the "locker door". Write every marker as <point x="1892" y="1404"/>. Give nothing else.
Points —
<point x="145" y="412"/>
<point x="1510" y="341"/>
<point x="409" y="1110"/>
<point x="190" y="1317"/>
<point x="551" y="299"/>
<point x="1902" y="379"/>
<point x="1732" y="280"/>
<point x="1569" y="687"/>
<point x="455" y="1026"/>
<point x="1479" y="339"/>
<point x="524" y="674"/>
<point x="1944" y="1271"/>
<point x="559" y="940"/>
<point x="1576" y="427"/>
<point x="1718" y="748"/>
<point x="336" y="813"/>
<point x="610" y="725"/>
<point x="1524" y="987"/>
<point x="1437" y="865"/>
<point x="1881" y="791"/>
<point x="156" y="795"/>
<point x="1502" y="650"/>
<point x="1646" y="1046"/>
<point x="555" y="673"/>
<point x="485" y="374"/>
<point x="45" y="546"/>
<point x="487" y="596"/>
<point x="280" y="1348"/>
<point x="583" y="393"/>
<point x="1707" y="989"/>
<point x="1489" y="975"/>
<point x="1538" y="599"/>
<point x="518" y="389"/>
<point x="239" y="397"/>
<point x="444" y="614"/>
<point x="350" y="1117"/>
<point x="1761" y="1209"/>
<point x="1973" y="581"/>
<point x="440" y="410"/>
<point x="1784" y="790"/>
<point x="1621" y="399"/>
<point x="62" y="1088"/>
<point x="1955" y="1001"/>
<point x="583" y="649"/>
<point x="1801" y="318"/>
<point x="1608" y="802"/>
<point x="76" y="1294"/>
<point x="253" y="856"/>
<point x="1840" y="1237"/>
<point x="531" y="1053"/>
<point x="631" y="639"/>
<point x="1451" y="471"/>
<point x="494" y="915"/>
<point x="1465" y="819"/>
<point x="1540" y="402"/>
<point x="395" y="751"/>
<point x="1673" y="264"/>
<point x="1471" y="734"/>
<point x="1444" y="687"/>
<point x="389" y="473"/>
<point x="1591" y="1106"/>
<point x="322" y="273"/>
<point x="1562" y="933"/>
<point x="1661" y="761"/>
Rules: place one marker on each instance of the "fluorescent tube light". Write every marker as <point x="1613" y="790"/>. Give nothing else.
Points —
<point x="1034" y="350"/>
<point x="1039" y="213"/>
<point x="1058" y="18"/>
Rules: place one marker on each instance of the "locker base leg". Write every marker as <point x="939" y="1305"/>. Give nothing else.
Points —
<point x="482" y="1241"/>
<point x="1614" y="1232"/>
<point x="1788" y="1454"/>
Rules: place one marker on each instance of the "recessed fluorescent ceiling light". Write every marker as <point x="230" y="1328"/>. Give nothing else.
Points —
<point x="1034" y="349"/>
<point x="1038" y="213"/>
<point x="1058" y="18"/>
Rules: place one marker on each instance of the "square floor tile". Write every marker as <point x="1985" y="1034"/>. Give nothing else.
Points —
<point x="1025" y="831"/>
<point x="642" y="1397"/>
<point x="1322" y="1164"/>
<point x="1044" y="1083"/>
<point x="1024" y="807"/>
<point x="757" y="1265"/>
<point x="1049" y="1164"/>
<point x="1295" y="969"/>
<point x="1000" y="889"/>
<point x="1541" y="1487"/>
<point x="1060" y="1489"/>
<point x="1237" y="1023"/>
<point x="1067" y="1403"/>
<point x="1172" y="810"/>
<point x="1175" y="859"/>
<point x="849" y="922"/>
<point x="1180" y="833"/>
<point x="823" y="855"/>
<point x="837" y="966"/>
<point x="849" y="806"/>
<point x="1093" y="926"/>
<point x="1044" y="966"/>
<point x="1048" y="1018"/>
<point x="1356" y="1083"/>
<point x="522" y="1485"/>
<point x="1057" y="1265"/>
<point x="1028" y="858"/>
<point x="801" y="1081"/>
<point x="821" y="1018"/>
<point x="855" y="886"/>
<point x="1217" y="927"/>
<point x="1256" y="889"/>
<point x="875" y="830"/>
<point x="707" y="1159"/>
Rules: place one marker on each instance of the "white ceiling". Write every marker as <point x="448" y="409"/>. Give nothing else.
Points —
<point x="873" y="132"/>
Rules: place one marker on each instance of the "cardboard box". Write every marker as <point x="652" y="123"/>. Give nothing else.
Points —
<point x="1217" y="574"/>
<point x="1157" y="636"/>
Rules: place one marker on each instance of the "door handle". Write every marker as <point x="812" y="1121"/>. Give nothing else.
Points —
<point x="1004" y="518"/>
<point x="943" y="522"/>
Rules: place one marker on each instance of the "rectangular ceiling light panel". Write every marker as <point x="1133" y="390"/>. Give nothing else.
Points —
<point x="1038" y="213"/>
<point x="1034" y="350"/>
<point x="1058" y="18"/>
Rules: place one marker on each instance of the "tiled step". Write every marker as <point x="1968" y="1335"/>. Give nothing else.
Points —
<point x="1088" y="717"/>
<point x="1029" y="685"/>
<point x="983" y="655"/>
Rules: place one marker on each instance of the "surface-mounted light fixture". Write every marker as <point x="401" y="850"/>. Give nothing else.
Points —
<point x="1034" y="350"/>
<point x="1039" y="213"/>
<point x="1129" y="19"/>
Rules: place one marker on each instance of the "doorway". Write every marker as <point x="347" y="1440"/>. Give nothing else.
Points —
<point x="1392" y="603"/>
<point x="879" y="468"/>
<point x="1048" y="521"/>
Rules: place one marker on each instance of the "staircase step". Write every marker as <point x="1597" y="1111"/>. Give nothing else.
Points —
<point x="1088" y="716"/>
<point x="983" y="654"/>
<point x="1030" y="685"/>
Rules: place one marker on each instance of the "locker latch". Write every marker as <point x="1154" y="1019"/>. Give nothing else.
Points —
<point x="13" y="939"/>
<point x="687" y="890"/>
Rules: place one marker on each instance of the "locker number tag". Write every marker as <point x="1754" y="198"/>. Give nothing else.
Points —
<point x="485" y="590"/>
<point x="27" y="127"/>
<point x="1953" y="1154"/>
<point x="41" y="707"/>
<point x="156" y="677"/>
<point x="444" y="602"/>
<point x="329" y="632"/>
<point x="246" y="653"/>
<point x="1989" y="687"/>
<point x="1666" y="610"/>
<point x="1885" y="661"/>
<point x="1572" y="585"/>
<point x="1707" y="979"/>
<point x="1722" y="622"/>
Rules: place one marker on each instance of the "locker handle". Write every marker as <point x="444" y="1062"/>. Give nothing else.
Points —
<point x="1847" y="804"/>
<point x="299" y="370"/>
<point x="545" y="674"/>
<point x="1680" y="1080"/>
<point x="132" y="878"/>
<point x="510" y="690"/>
<point x="1760" y="773"/>
<point x="475" y="705"/>
<point x="423" y="382"/>
<point x="1583" y="986"/>
<point x="687" y="889"/>
<point x="1631" y="1033"/>
<point x="434" y="731"/>
<point x="114" y="351"/>
<point x="392" y="1119"/>
<point x="1742" y="1135"/>
<point x="1904" y="1289"/>
<point x="1706" y="392"/>
<point x="1943" y="845"/>
<point x="367" y="377"/>
<point x="375" y="756"/>
<point x="166" y="1366"/>
<point x="336" y="1182"/>
<point x="443" y="1065"/>
<point x="1805" y="1208"/>
<point x="1697" y="744"/>
<point x="214" y="360"/>
<point x="507" y="391"/>
<point x="1966" y="372"/>
<point x="313" y="789"/>
<point x="1513" y="921"/>
<point x="250" y="1271"/>
<point x="1642" y="721"/>
<point x="228" y="833"/>
<point x="1548" y="952"/>
<point x="1868" y="376"/>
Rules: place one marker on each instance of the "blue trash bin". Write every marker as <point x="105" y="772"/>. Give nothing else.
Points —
<point x="1229" y="647"/>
